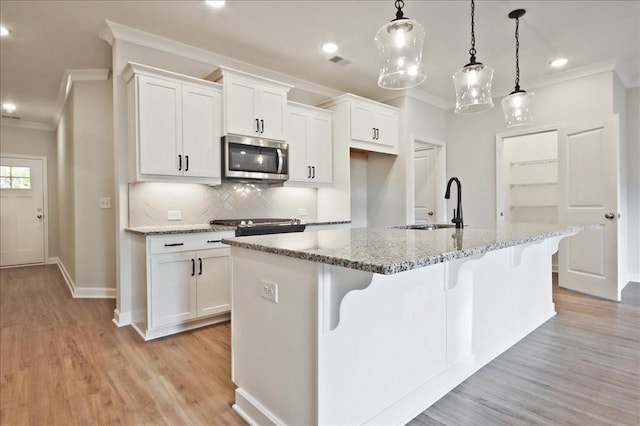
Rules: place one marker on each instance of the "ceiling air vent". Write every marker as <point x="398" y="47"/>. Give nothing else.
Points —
<point x="339" y="60"/>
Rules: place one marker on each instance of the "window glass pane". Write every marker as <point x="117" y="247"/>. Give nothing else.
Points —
<point x="21" y="172"/>
<point x="21" y="183"/>
<point x="5" y="183"/>
<point x="5" y="171"/>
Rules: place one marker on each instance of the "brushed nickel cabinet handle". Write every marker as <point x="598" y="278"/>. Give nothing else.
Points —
<point x="609" y="215"/>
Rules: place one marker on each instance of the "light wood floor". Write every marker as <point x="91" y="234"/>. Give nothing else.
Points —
<point x="63" y="362"/>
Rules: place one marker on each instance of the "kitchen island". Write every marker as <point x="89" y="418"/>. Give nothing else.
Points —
<point x="373" y="325"/>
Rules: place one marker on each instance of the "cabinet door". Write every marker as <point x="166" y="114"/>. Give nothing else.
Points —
<point x="159" y="126"/>
<point x="387" y="124"/>
<point x="213" y="283"/>
<point x="241" y="98"/>
<point x="201" y="131"/>
<point x="272" y="112"/>
<point x="297" y="139"/>
<point x="319" y="148"/>
<point x="173" y="292"/>
<point x="361" y="122"/>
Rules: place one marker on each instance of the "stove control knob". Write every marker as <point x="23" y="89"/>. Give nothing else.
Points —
<point x="242" y="222"/>
<point x="250" y="222"/>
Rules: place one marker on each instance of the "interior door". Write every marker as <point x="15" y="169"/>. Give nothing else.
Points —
<point x="21" y="211"/>
<point x="424" y="185"/>
<point x="588" y="166"/>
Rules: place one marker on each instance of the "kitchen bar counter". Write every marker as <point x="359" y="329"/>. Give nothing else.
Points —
<point x="186" y="229"/>
<point x="392" y="250"/>
<point x="372" y="326"/>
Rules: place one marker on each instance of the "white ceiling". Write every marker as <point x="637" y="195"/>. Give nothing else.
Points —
<point x="49" y="37"/>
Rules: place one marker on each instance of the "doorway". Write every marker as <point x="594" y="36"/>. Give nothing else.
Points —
<point x="22" y="210"/>
<point x="429" y="181"/>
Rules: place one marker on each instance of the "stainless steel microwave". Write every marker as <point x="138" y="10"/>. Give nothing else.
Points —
<point x="246" y="158"/>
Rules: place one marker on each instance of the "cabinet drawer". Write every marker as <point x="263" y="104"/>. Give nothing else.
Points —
<point x="189" y="241"/>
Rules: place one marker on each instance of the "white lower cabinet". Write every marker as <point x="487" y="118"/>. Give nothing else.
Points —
<point x="180" y="282"/>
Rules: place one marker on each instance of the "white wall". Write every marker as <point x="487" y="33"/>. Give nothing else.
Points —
<point x="39" y="143"/>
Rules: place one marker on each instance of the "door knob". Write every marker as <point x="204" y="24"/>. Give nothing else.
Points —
<point x="609" y="215"/>
<point x="430" y="213"/>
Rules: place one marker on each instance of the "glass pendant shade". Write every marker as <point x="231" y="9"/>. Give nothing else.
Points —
<point x="473" y="88"/>
<point x="517" y="108"/>
<point x="400" y="51"/>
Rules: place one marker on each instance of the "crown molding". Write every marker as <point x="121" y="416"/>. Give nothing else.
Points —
<point x="113" y="31"/>
<point x="33" y="125"/>
<point x="68" y="78"/>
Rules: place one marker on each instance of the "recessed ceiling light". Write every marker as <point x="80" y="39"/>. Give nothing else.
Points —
<point x="9" y="107"/>
<point x="215" y="3"/>
<point x="559" y="62"/>
<point x="330" y="47"/>
<point x="4" y="31"/>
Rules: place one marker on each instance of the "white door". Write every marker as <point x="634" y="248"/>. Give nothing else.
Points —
<point x="201" y="131"/>
<point x="240" y="102"/>
<point x="319" y="149"/>
<point x="424" y="185"/>
<point x="272" y="112"/>
<point x="160" y="122"/>
<point x="173" y="288"/>
<point x="213" y="282"/>
<point x="589" y="172"/>
<point x="299" y="170"/>
<point x="21" y="211"/>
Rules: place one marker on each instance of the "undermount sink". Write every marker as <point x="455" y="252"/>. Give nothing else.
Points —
<point x="426" y="226"/>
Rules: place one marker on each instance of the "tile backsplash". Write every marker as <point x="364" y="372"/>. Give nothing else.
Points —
<point x="150" y="202"/>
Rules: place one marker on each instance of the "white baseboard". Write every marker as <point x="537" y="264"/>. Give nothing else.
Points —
<point x="82" y="292"/>
<point x="121" y="318"/>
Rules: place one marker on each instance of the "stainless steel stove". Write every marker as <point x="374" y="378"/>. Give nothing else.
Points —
<point x="262" y="226"/>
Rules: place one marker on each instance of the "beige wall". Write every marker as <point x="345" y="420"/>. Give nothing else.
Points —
<point x="38" y="143"/>
<point x="93" y="179"/>
<point x="85" y="174"/>
<point x="66" y="198"/>
<point x="633" y="181"/>
<point x="471" y="138"/>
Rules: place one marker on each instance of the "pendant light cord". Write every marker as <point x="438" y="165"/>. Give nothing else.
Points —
<point x="517" y="55"/>
<point x="472" y="51"/>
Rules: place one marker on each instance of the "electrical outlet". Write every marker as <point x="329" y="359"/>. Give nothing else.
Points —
<point x="105" y="203"/>
<point x="269" y="291"/>
<point x="302" y="212"/>
<point x="174" y="215"/>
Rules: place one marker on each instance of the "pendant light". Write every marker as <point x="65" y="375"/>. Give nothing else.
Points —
<point x="517" y="106"/>
<point x="400" y="49"/>
<point x="473" y="81"/>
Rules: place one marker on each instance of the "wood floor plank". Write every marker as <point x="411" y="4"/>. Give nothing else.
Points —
<point x="63" y="362"/>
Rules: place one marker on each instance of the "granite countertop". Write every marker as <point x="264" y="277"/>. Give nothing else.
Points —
<point x="392" y="250"/>
<point x="178" y="229"/>
<point x="186" y="229"/>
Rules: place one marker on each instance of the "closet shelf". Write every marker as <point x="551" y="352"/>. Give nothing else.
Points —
<point x="532" y="206"/>
<point x="513" y="185"/>
<point x="533" y="162"/>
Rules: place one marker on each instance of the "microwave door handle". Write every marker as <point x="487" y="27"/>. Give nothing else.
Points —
<point x="280" y="160"/>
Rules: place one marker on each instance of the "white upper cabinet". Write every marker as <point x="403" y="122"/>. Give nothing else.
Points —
<point x="310" y="146"/>
<point x="175" y="125"/>
<point x="370" y="125"/>
<point x="253" y="106"/>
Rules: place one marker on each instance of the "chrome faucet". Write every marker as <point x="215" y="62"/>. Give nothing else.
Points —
<point x="457" y="212"/>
